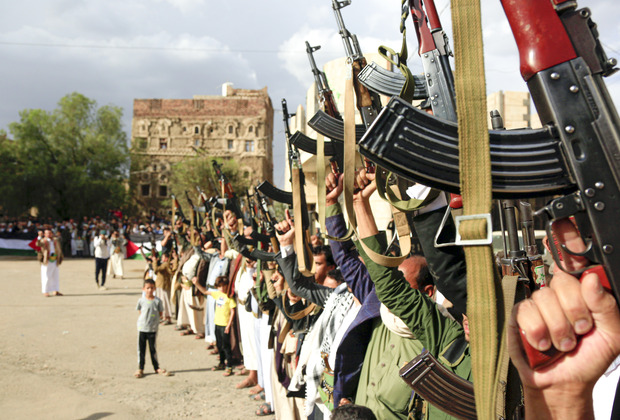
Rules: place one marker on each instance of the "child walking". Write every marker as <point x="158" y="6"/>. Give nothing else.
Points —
<point x="224" y="316"/>
<point x="151" y="309"/>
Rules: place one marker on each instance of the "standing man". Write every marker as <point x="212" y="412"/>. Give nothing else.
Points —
<point x="102" y="254"/>
<point x="51" y="250"/>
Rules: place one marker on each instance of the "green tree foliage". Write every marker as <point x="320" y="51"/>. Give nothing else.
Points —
<point x="70" y="162"/>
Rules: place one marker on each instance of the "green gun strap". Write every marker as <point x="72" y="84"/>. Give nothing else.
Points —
<point x="508" y="394"/>
<point x="401" y="225"/>
<point x="350" y="149"/>
<point x="475" y="172"/>
<point x="305" y="262"/>
<point x="408" y="88"/>
<point x="387" y="194"/>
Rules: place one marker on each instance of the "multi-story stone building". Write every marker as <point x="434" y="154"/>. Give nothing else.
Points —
<point x="237" y="125"/>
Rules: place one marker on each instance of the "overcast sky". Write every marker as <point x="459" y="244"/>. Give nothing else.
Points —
<point x="113" y="51"/>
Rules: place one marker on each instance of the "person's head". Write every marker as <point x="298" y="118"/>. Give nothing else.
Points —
<point x="323" y="262"/>
<point x="417" y="274"/>
<point x="221" y="283"/>
<point x="333" y="279"/>
<point x="48" y="233"/>
<point x="352" y="412"/>
<point x="149" y="288"/>
<point x="115" y="234"/>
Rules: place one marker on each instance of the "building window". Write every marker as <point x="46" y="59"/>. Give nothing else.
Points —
<point x="163" y="190"/>
<point x="145" y="189"/>
<point x="246" y="174"/>
<point x="251" y="129"/>
<point x="231" y="144"/>
<point x="230" y="129"/>
<point x="163" y="144"/>
<point x="154" y="168"/>
<point x="197" y="142"/>
<point x="249" y="145"/>
<point x="142" y="143"/>
<point x="196" y="130"/>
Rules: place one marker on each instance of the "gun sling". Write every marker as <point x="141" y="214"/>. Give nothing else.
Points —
<point x="476" y="186"/>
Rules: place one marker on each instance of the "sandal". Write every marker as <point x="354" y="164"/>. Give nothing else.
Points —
<point x="221" y="366"/>
<point x="139" y="374"/>
<point x="164" y="372"/>
<point x="214" y="351"/>
<point x="180" y="328"/>
<point x="187" y="332"/>
<point x="228" y="371"/>
<point x="199" y="336"/>
<point x="259" y="397"/>
<point x="264" y="410"/>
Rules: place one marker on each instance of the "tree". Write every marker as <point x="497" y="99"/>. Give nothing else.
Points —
<point x="70" y="162"/>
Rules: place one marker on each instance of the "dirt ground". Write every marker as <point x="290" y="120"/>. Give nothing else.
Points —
<point x="73" y="356"/>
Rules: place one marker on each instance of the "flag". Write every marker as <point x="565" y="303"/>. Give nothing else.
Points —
<point x="33" y="244"/>
<point x="131" y="249"/>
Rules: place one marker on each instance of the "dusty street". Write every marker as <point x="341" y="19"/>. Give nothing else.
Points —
<point x="73" y="356"/>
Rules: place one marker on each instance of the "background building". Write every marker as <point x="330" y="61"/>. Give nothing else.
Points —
<point x="237" y="125"/>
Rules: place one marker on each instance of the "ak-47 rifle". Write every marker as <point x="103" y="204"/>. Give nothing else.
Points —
<point x="193" y="210"/>
<point x="439" y="386"/>
<point x="327" y="121"/>
<point x="389" y="83"/>
<point x="232" y="201"/>
<point x="266" y="187"/>
<point x="368" y="102"/>
<point x="326" y="96"/>
<point x="576" y="154"/>
<point x="434" y="50"/>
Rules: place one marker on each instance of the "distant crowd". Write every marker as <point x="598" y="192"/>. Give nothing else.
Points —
<point x="77" y="236"/>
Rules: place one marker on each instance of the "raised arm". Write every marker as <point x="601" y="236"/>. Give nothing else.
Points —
<point x="345" y="254"/>
<point x="557" y="315"/>
<point x="304" y="287"/>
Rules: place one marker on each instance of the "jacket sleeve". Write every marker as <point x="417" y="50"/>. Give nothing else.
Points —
<point x="304" y="287"/>
<point x="415" y="309"/>
<point x="346" y="256"/>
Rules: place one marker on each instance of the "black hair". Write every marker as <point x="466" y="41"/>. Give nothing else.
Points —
<point x="336" y="275"/>
<point x="148" y="281"/>
<point x="221" y="281"/>
<point x="324" y="250"/>
<point x="352" y="412"/>
<point x="425" y="278"/>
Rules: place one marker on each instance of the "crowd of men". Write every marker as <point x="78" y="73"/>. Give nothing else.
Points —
<point x="314" y="342"/>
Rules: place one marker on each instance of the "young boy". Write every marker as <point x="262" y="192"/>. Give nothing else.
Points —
<point x="224" y="315"/>
<point x="151" y="308"/>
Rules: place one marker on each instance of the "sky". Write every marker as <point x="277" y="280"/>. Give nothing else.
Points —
<point x="115" y="51"/>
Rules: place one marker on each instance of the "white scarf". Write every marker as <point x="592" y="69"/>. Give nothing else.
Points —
<point x="394" y="323"/>
<point x="318" y="340"/>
